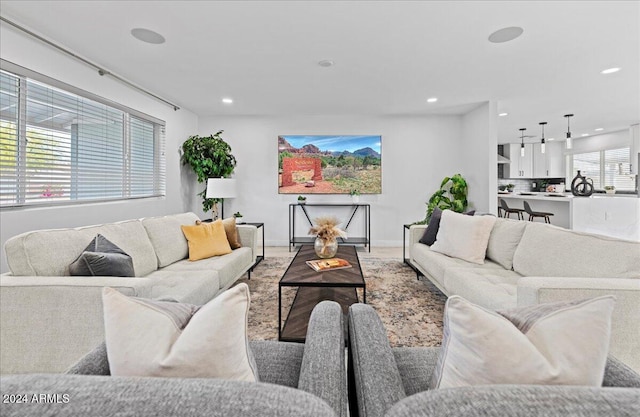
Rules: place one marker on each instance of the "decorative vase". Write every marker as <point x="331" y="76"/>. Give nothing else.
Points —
<point x="581" y="186"/>
<point x="325" y="248"/>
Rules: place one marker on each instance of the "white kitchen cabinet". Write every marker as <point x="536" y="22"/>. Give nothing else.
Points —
<point x="520" y="167"/>
<point x="549" y="164"/>
<point x="607" y="215"/>
<point x="634" y="133"/>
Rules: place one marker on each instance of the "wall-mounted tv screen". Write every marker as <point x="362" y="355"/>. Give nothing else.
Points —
<point x="312" y="164"/>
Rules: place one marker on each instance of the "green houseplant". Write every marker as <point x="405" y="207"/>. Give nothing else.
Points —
<point x="452" y="195"/>
<point x="209" y="157"/>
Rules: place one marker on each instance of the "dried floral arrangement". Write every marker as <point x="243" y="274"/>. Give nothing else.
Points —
<point x="326" y="228"/>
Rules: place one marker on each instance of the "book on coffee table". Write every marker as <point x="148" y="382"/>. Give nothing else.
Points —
<point x="328" y="264"/>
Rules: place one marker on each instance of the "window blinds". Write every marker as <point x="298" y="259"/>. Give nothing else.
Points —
<point x="59" y="146"/>
<point x="608" y="167"/>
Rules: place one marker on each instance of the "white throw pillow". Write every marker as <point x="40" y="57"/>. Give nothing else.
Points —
<point x="158" y="338"/>
<point x="463" y="237"/>
<point x="545" y="344"/>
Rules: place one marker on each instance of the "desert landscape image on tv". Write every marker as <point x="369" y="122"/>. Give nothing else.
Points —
<point x="314" y="164"/>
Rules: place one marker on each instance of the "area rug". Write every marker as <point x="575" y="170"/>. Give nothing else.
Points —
<point x="411" y="310"/>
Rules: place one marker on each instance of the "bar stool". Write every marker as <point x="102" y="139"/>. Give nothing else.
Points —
<point x="508" y="210"/>
<point x="533" y="214"/>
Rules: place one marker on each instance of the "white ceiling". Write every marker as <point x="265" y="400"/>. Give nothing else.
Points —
<point x="390" y="56"/>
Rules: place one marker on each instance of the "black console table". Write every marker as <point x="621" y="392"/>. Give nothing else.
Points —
<point x="350" y="240"/>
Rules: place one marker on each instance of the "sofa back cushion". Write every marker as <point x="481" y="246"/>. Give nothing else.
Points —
<point x="503" y="241"/>
<point x="50" y="252"/>
<point x="549" y="251"/>
<point x="167" y="238"/>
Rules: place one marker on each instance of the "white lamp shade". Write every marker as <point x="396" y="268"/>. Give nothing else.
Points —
<point x="221" y="188"/>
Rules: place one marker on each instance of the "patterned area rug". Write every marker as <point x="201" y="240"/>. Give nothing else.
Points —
<point x="411" y="310"/>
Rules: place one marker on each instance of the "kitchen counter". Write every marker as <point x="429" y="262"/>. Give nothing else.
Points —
<point x="616" y="215"/>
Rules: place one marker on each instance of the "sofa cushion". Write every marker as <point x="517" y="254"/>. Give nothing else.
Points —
<point x="102" y="258"/>
<point x="489" y="288"/>
<point x="193" y="287"/>
<point x="50" y="252"/>
<point x="504" y="240"/>
<point x="167" y="238"/>
<point x="165" y="339"/>
<point x="549" y="251"/>
<point x="229" y="267"/>
<point x="232" y="232"/>
<point x="435" y="263"/>
<point x="206" y="240"/>
<point x="464" y="237"/>
<point x="547" y="344"/>
<point x="430" y="233"/>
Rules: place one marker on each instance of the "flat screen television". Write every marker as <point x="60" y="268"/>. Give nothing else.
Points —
<point x="323" y="164"/>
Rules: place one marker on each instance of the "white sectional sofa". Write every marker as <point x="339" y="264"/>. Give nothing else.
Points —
<point x="530" y="263"/>
<point x="48" y="319"/>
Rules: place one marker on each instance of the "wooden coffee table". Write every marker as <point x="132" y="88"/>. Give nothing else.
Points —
<point x="338" y="285"/>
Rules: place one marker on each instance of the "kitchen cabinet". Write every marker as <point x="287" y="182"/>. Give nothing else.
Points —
<point x="634" y="133"/>
<point x="520" y="166"/>
<point x="549" y="164"/>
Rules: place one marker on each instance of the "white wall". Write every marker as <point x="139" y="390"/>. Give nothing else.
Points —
<point x="417" y="152"/>
<point x="612" y="140"/>
<point x="480" y="156"/>
<point x="33" y="55"/>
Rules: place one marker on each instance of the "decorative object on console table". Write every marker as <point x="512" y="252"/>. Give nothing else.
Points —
<point x="355" y="196"/>
<point x="326" y="231"/>
<point x="581" y="186"/>
<point x="209" y="157"/>
<point x="302" y="199"/>
<point x="218" y="189"/>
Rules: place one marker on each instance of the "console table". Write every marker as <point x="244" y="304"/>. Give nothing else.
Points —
<point x="365" y="209"/>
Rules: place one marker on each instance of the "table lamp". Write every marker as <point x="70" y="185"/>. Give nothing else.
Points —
<point x="220" y="188"/>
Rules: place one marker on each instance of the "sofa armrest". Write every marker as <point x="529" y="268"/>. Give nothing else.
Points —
<point x="521" y="400"/>
<point x="249" y="238"/>
<point x="374" y="377"/>
<point x="99" y="396"/>
<point x="625" y="332"/>
<point x="62" y="313"/>
<point x="415" y="233"/>
<point x="323" y="372"/>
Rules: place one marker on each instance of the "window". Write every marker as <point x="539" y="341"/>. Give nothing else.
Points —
<point x="608" y="167"/>
<point x="60" y="145"/>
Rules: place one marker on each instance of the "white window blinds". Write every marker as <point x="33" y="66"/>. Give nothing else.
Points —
<point x="607" y="167"/>
<point x="59" y="146"/>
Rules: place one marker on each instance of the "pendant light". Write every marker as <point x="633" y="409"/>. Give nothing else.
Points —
<point x="569" y="143"/>
<point x="542" y="145"/>
<point x="522" y="142"/>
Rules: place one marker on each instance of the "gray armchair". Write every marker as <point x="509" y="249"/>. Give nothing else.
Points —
<point x="394" y="382"/>
<point x="296" y="380"/>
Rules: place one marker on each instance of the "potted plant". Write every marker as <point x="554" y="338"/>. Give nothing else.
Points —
<point x="609" y="189"/>
<point x="302" y="199"/>
<point x="237" y="215"/>
<point x="355" y="196"/>
<point x="510" y="187"/>
<point x="452" y="195"/>
<point x="209" y="157"/>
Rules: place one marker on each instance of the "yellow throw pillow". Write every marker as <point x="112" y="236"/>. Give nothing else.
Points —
<point x="206" y="240"/>
<point x="232" y="232"/>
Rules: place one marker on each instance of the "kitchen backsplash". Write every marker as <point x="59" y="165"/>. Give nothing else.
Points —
<point x="527" y="185"/>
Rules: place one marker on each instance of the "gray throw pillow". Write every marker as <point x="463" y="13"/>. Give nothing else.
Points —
<point x="102" y="258"/>
<point x="429" y="236"/>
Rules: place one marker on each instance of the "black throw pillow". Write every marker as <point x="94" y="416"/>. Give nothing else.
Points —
<point x="102" y="258"/>
<point x="429" y="236"/>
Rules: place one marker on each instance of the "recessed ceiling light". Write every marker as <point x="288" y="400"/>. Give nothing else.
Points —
<point x="609" y="70"/>
<point x="584" y="134"/>
<point x="503" y="114"/>
<point x="227" y="100"/>
<point x="432" y="100"/>
<point x="505" y="34"/>
<point x="326" y="63"/>
<point x="599" y="129"/>
<point x="148" y="36"/>
<point x="551" y="139"/>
